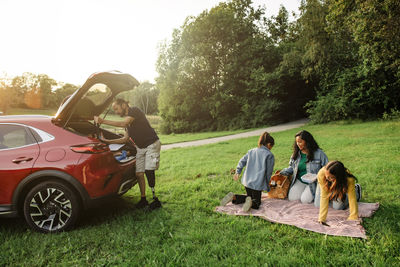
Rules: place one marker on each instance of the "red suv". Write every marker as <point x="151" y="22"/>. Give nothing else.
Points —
<point x="52" y="168"/>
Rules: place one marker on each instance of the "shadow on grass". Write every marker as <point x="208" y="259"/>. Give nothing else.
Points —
<point x="13" y="225"/>
<point x="103" y="212"/>
<point x="107" y="211"/>
<point x="385" y="220"/>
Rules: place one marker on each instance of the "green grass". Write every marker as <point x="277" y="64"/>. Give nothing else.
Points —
<point x="177" y="138"/>
<point x="187" y="231"/>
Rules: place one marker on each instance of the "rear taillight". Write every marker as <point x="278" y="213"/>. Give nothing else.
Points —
<point x="92" y="148"/>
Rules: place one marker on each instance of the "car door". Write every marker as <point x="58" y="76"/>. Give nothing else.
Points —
<point x="18" y="153"/>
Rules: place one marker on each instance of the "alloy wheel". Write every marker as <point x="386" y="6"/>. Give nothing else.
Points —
<point x="50" y="207"/>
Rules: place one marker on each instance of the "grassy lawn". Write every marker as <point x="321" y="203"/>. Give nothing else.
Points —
<point x="187" y="231"/>
<point x="177" y="138"/>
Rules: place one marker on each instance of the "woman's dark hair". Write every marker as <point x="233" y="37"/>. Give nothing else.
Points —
<point x="265" y="139"/>
<point x="311" y="144"/>
<point x="338" y="186"/>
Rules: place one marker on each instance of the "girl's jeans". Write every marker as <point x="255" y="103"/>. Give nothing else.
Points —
<point x="255" y="197"/>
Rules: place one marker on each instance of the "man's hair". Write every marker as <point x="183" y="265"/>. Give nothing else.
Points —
<point x="120" y="102"/>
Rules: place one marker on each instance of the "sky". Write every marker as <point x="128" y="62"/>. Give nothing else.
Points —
<point x="70" y="39"/>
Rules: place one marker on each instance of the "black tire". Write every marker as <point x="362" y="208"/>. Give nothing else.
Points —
<point x="51" y="207"/>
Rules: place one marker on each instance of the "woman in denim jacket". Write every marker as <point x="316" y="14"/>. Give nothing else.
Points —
<point x="307" y="157"/>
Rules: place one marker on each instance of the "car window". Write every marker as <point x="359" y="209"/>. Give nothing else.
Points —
<point x="36" y="136"/>
<point x="41" y="136"/>
<point x="98" y="94"/>
<point x="12" y="136"/>
<point x="93" y="101"/>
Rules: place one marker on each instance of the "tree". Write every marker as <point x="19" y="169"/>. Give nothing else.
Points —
<point x="145" y="96"/>
<point x="62" y="92"/>
<point x="360" y="77"/>
<point x="205" y="72"/>
<point x="375" y="28"/>
<point x="292" y="90"/>
<point x="6" y="95"/>
<point x="46" y="87"/>
<point x="34" y="91"/>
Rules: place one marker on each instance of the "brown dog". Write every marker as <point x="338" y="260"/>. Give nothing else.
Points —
<point x="279" y="185"/>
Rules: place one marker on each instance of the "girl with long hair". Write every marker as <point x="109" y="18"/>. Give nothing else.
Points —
<point x="259" y="163"/>
<point x="307" y="158"/>
<point x="338" y="186"/>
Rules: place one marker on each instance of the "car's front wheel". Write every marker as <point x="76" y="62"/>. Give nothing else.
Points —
<point x="51" y="206"/>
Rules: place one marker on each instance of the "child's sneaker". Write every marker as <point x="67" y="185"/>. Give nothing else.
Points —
<point x="358" y="192"/>
<point x="228" y="198"/>
<point x="247" y="204"/>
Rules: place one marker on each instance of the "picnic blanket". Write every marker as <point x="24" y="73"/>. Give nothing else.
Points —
<point x="305" y="216"/>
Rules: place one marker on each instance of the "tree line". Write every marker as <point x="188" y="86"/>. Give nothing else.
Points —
<point x="233" y="67"/>
<point x="35" y="91"/>
<point x="39" y="91"/>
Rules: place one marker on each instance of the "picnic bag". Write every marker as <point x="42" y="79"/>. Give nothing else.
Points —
<point x="279" y="185"/>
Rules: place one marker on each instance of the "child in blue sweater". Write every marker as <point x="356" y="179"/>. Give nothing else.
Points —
<point x="259" y="163"/>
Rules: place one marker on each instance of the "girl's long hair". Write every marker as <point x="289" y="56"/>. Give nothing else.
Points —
<point x="337" y="187"/>
<point x="311" y="144"/>
<point x="265" y="139"/>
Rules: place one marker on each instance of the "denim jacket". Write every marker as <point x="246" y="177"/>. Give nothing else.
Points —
<point x="319" y="160"/>
<point x="259" y="164"/>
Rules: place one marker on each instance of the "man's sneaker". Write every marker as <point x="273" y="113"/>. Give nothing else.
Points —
<point x="142" y="203"/>
<point x="155" y="204"/>
<point x="358" y="192"/>
<point x="247" y="204"/>
<point x="228" y="198"/>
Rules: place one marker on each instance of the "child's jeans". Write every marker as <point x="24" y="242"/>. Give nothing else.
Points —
<point x="255" y="197"/>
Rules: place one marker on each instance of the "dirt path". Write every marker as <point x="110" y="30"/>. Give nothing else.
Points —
<point x="272" y="129"/>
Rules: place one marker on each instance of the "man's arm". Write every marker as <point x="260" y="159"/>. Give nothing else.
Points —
<point x="125" y="123"/>
<point x="121" y="140"/>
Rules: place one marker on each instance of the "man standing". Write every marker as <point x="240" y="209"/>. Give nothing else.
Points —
<point x="147" y="143"/>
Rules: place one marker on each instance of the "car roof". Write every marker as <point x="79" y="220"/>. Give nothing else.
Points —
<point x="23" y="118"/>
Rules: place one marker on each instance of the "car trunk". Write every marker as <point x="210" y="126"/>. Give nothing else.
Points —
<point x="94" y="98"/>
<point x="86" y="128"/>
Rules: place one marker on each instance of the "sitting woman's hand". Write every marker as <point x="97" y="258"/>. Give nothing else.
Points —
<point x="236" y="176"/>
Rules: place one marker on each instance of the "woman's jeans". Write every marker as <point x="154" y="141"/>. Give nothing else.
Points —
<point x="300" y="191"/>
<point x="336" y="204"/>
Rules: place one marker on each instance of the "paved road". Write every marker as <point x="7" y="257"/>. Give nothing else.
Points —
<point x="272" y="129"/>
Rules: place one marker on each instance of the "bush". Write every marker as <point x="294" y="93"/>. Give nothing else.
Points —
<point x="327" y="108"/>
<point x="393" y="115"/>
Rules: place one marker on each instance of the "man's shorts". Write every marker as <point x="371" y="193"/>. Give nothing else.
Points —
<point x="148" y="158"/>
